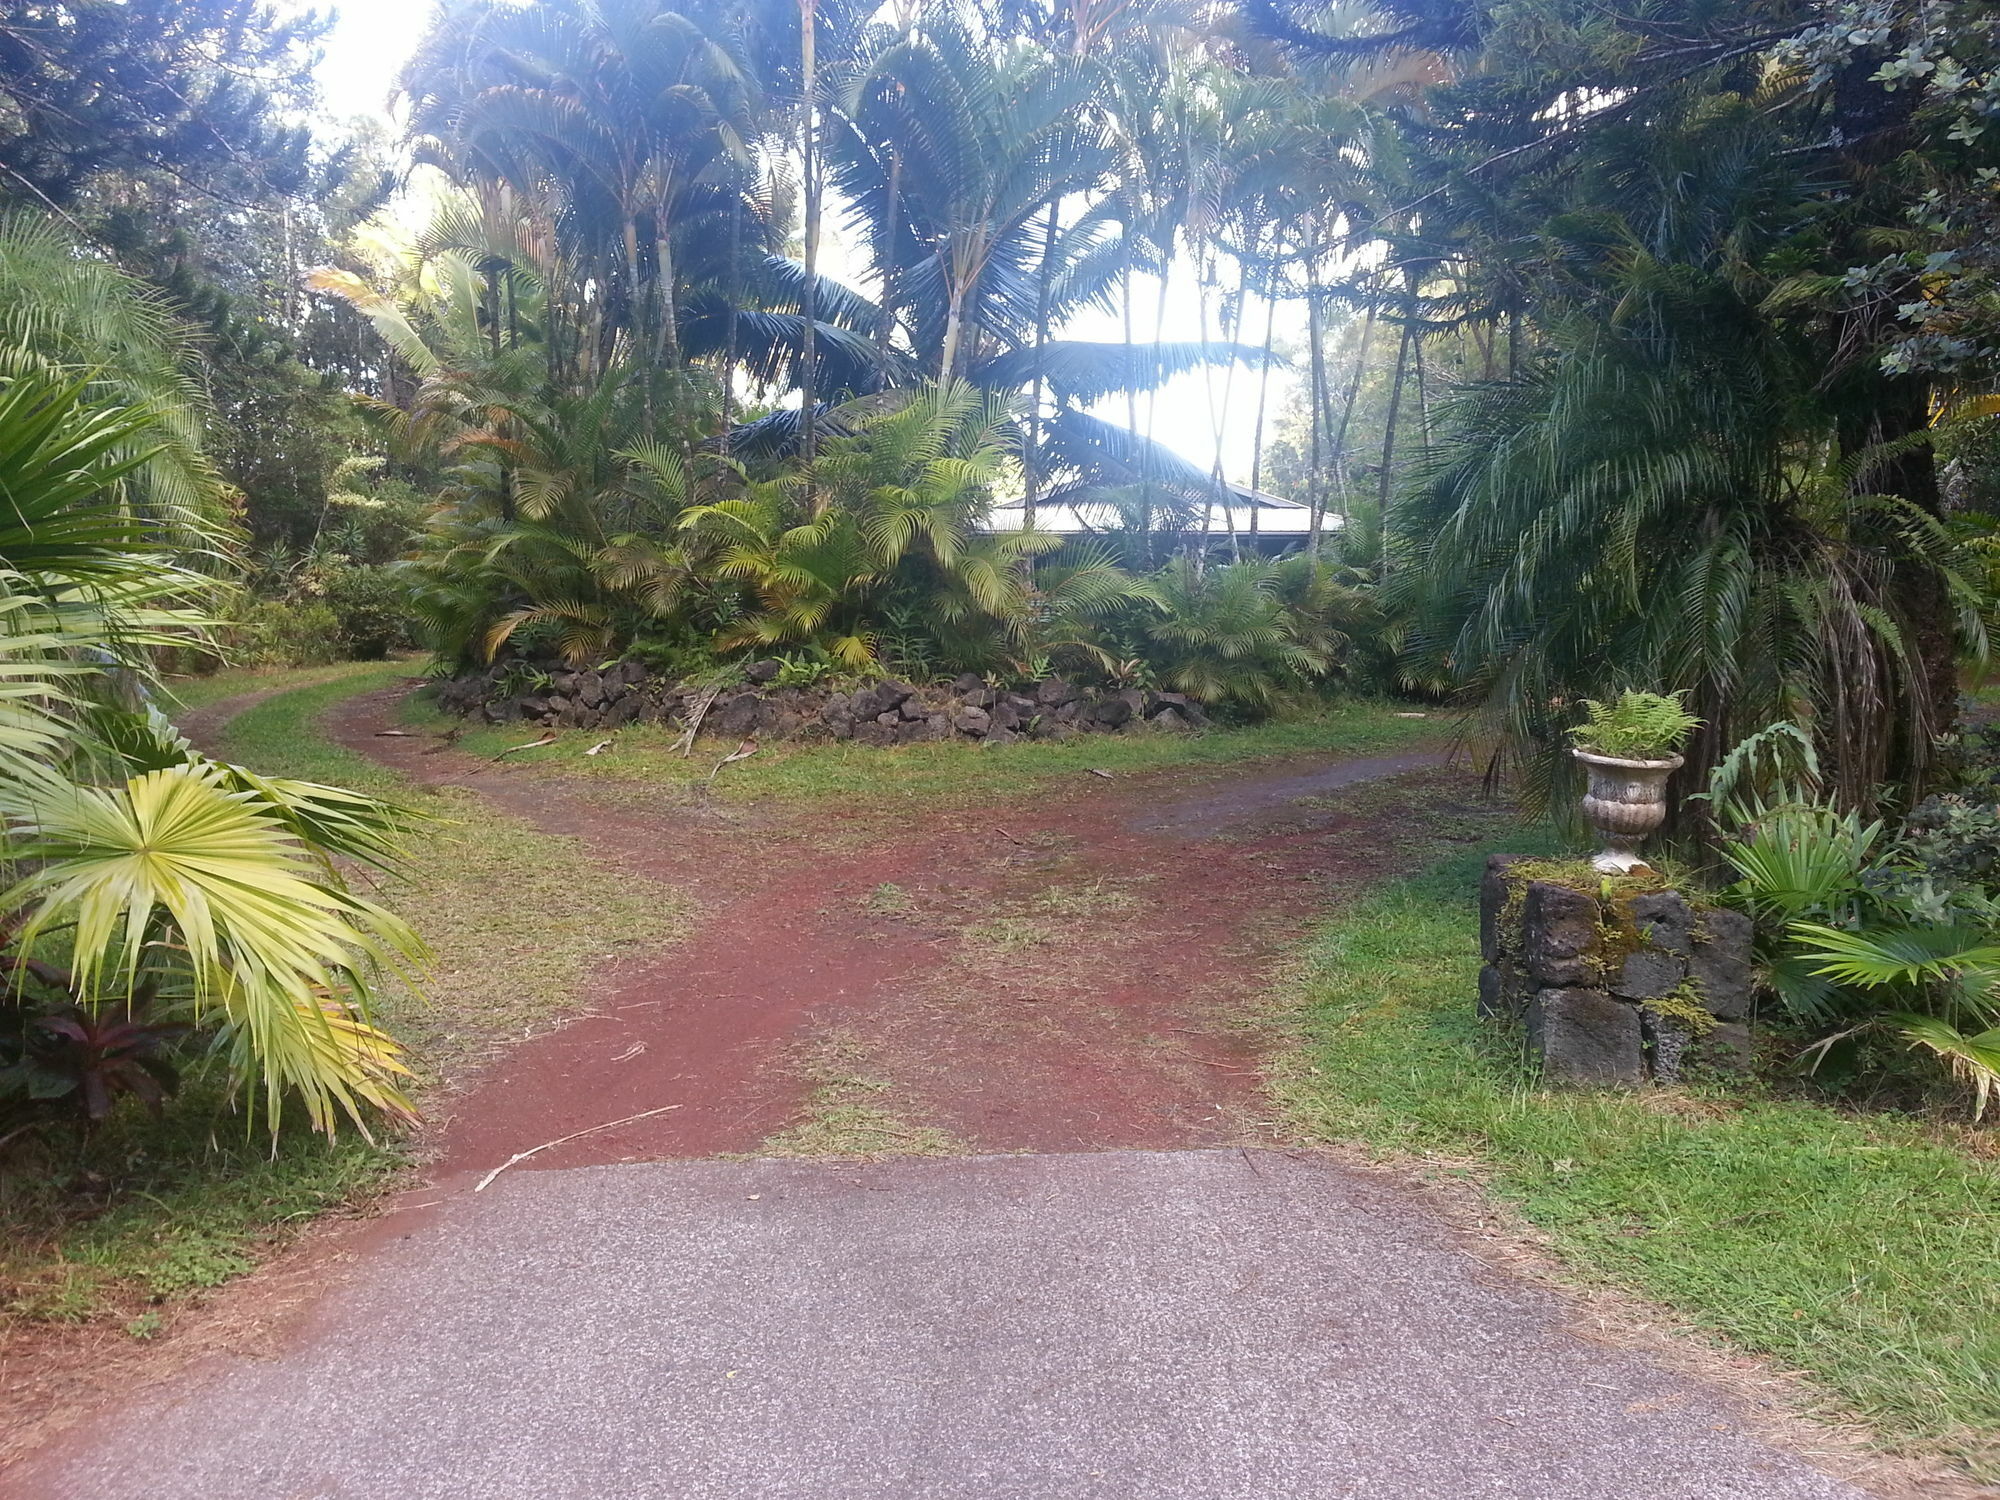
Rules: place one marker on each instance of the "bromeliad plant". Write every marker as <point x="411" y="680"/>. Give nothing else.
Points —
<point x="151" y="889"/>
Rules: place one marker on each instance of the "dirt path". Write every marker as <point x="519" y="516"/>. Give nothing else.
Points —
<point x="1107" y="1290"/>
<point x="1060" y="974"/>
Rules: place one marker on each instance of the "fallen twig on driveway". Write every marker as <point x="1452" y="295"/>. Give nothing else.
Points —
<point x="521" y="1156"/>
<point x="742" y="752"/>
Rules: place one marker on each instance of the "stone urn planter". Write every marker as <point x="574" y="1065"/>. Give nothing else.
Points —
<point x="1626" y="803"/>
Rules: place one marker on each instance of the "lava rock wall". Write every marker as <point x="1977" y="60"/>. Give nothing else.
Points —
<point x="1613" y="990"/>
<point x="878" y="713"/>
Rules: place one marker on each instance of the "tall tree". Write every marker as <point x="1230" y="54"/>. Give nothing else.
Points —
<point x="1693" y="209"/>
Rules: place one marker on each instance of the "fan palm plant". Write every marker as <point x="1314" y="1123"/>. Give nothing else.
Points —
<point x="1844" y="951"/>
<point x="152" y="870"/>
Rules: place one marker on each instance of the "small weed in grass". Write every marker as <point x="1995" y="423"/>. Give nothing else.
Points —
<point x="1094" y="899"/>
<point x="888" y="900"/>
<point x="1856" y="1248"/>
<point x="1009" y="934"/>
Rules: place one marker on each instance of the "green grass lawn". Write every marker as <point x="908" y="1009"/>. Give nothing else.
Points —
<point x="125" y="1225"/>
<point x="198" y="692"/>
<point x="948" y="773"/>
<point x="281" y="736"/>
<point x="1864" y="1250"/>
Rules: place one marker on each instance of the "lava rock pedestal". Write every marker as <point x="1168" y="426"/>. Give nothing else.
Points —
<point x="1612" y="990"/>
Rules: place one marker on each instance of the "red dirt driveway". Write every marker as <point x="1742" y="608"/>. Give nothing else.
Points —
<point x="1065" y="973"/>
<point x="1106" y="1285"/>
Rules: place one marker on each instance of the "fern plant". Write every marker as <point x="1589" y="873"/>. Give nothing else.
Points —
<point x="1636" y="726"/>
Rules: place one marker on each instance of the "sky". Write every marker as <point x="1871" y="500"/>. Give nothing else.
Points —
<point x="371" y="39"/>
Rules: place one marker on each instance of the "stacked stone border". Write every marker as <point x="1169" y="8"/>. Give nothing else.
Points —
<point x="877" y="713"/>
<point x="1615" y="986"/>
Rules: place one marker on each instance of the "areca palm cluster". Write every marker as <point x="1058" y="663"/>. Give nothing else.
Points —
<point x="896" y="499"/>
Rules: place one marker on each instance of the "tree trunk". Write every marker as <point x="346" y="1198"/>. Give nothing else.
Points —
<point x="1316" y="338"/>
<point x="1125" y="314"/>
<point x="1220" y="420"/>
<point x="1032" y="459"/>
<point x="489" y="299"/>
<point x="1423" y="399"/>
<point x="1353" y="399"/>
<point x="1389" y="444"/>
<point x="885" y="322"/>
<point x="1159" y="340"/>
<point x="632" y="277"/>
<point x="1263" y="393"/>
<point x="669" y="331"/>
<point x="952" y="355"/>
<point x="1919" y="589"/>
<point x="735" y="294"/>
<point x="1132" y="394"/>
<point x="809" y="299"/>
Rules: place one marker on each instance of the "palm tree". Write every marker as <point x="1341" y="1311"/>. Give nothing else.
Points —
<point x="896" y="500"/>
<point x="620" y="129"/>
<point x="977" y="168"/>
<point x="64" y="310"/>
<point x="1660" y="503"/>
<point x="141" y="870"/>
<point x="560" y="518"/>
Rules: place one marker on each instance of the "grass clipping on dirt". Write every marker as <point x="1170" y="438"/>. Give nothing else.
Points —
<point x="1858" y="1249"/>
<point x="148" y="1211"/>
<point x="847" y="1111"/>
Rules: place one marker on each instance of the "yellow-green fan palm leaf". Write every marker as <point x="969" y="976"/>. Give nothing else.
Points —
<point x="176" y="859"/>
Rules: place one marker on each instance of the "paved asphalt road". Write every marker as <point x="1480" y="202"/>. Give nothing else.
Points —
<point x="1191" y="1325"/>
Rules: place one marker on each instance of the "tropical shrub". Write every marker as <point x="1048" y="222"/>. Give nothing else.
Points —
<point x="1861" y="933"/>
<point x="149" y="886"/>
<point x="370" y="609"/>
<point x="889" y="510"/>
<point x="276" y="633"/>
<point x="1244" y="632"/>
